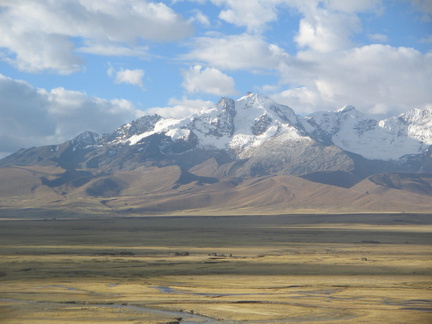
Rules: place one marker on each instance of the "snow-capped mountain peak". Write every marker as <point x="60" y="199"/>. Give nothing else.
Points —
<point x="346" y="109"/>
<point x="388" y="139"/>
<point x="237" y="125"/>
<point x="258" y="119"/>
<point x="231" y="125"/>
<point x="249" y="137"/>
<point x="241" y="126"/>
<point x="85" y="139"/>
<point x="415" y="124"/>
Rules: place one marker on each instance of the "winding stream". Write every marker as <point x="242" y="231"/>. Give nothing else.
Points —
<point x="186" y="317"/>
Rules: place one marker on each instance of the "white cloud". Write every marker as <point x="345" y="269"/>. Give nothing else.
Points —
<point x="427" y="39"/>
<point x="208" y="80"/>
<point x="114" y="50"/>
<point x="326" y="26"/>
<point x="24" y="120"/>
<point x="301" y="99"/>
<point x="194" y="1"/>
<point x="36" y="53"/>
<point x="380" y="38"/>
<point x="253" y="14"/>
<point x="201" y="18"/>
<point x="424" y="7"/>
<point x="34" y="117"/>
<point x="36" y="36"/>
<point x="180" y="108"/>
<point x="325" y="31"/>
<point x="354" y="6"/>
<point x="375" y="78"/>
<point x="75" y="112"/>
<point x="237" y="52"/>
<point x="132" y="77"/>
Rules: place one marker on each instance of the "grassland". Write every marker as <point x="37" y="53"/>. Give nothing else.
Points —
<point x="371" y="268"/>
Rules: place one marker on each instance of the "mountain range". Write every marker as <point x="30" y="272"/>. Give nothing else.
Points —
<point x="250" y="155"/>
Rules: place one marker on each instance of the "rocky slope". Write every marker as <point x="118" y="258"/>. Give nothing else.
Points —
<point x="223" y="149"/>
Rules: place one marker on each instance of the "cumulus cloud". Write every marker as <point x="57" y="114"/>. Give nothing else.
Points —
<point x="236" y="52"/>
<point x="132" y="77"/>
<point x="208" y="80"/>
<point x="326" y="24"/>
<point x="24" y="120"/>
<point x="325" y="31"/>
<point x="34" y="117"/>
<point x="253" y="14"/>
<point x="36" y="36"/>
<point x="75" y="112"/>
<point x="376" y="78"/>
<point x="114" y="50"/>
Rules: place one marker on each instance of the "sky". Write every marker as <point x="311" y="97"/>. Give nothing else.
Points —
<point x="67" y="66"/>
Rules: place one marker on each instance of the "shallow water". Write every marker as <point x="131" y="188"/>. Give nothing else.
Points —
<point x="169" y="290"/>
<point x="186" y="317"/>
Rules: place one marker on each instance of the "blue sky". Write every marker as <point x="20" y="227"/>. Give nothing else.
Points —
<point x="72" y="65"/>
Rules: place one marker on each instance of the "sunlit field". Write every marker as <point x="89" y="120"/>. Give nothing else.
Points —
<point x="255" y="269"/>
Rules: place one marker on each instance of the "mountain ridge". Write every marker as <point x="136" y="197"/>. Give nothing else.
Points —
<point x="249" y="127"/>
<point x="219" y="150"/>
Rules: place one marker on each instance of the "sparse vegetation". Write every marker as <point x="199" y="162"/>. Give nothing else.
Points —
<point x="308" y="268"/>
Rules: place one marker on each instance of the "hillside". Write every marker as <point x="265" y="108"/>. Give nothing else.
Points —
<point x="246" y="156"/>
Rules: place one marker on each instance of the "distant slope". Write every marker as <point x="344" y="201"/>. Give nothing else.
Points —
<point x="171" y="190"/>
<point x="418" y="183"/>
<point x="334" y="178"/>
<point x="274" y="194"/>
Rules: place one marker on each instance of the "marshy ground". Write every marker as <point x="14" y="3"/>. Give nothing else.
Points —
<point x="371" y="268"/>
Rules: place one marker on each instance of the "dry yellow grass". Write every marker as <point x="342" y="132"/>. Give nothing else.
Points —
<point x="270" y="269"/>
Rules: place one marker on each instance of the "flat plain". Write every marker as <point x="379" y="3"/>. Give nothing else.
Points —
<point x="359" y="268"/>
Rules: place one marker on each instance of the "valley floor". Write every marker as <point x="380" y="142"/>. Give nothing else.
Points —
<point x="370" y="268"/>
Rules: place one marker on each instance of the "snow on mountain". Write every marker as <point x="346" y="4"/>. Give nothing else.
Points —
<point x="241" y="127"/>
<point x="258" y="119"/>
<point x="415" y="124"/>
<point x="137" y="127"/>
<point x="214" y="126"/>
<point x="231" y="125"/>
<point x="389" y="139"/>
<point x="171" y="127"/>
<point x="86" y="139"/>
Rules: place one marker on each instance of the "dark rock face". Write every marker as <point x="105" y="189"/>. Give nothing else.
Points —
<point x="261" y="125"/>
<point x="426" y="161"/>
<point x="297" y="159"/>
<point x="139" y="126"/>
